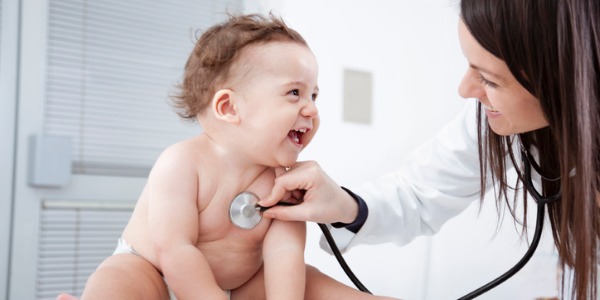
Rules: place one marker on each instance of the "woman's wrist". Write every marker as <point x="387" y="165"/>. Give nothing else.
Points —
<point x="361" y="214"/>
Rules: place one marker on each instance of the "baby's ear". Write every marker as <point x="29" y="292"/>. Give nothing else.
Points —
<point x="223" y="106"/>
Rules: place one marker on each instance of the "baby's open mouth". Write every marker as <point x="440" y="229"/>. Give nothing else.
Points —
<point x="296" y="135"/>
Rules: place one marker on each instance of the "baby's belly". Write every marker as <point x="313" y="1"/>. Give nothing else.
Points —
<point x="233" y="265"/>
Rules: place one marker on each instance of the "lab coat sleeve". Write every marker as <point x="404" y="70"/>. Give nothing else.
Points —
<point x="437" y="181"/>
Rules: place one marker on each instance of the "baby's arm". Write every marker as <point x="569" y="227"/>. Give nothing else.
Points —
<point x="283" y="254"/>
<point x="173" y="224"/>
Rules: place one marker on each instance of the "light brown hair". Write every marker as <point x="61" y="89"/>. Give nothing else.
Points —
<point x="215" y="51"/>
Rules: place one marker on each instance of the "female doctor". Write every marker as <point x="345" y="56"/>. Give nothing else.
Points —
<point x="534" y="72"/>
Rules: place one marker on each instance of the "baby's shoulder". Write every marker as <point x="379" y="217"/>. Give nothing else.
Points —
<point x="185" y="149"/>
<point x="181" y="154"/>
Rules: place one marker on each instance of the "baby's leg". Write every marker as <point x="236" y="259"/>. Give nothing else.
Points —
<point x="318" y="286"/>
<point x="321" y="286"/>
<point x="125" y="276"/>
<point x="253" y="289"/>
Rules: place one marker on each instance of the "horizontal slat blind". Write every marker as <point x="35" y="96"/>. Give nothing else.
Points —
<point x="73" y="240"/>
<point x="111" y="67"/>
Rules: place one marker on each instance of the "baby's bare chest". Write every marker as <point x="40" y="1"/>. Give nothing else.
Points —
<point x="234" y="253"/>
<point x="215" y="204"/>
<point x="214" y="217"/>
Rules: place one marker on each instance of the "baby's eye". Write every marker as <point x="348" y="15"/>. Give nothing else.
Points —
<point x="295" y="92"/>
<point x="314" y="97"/>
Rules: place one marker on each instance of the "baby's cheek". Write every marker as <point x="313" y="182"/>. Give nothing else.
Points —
<point x="316" y="123"/>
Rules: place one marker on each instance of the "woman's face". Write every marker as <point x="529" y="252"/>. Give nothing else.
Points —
<point x="509" y="107"/>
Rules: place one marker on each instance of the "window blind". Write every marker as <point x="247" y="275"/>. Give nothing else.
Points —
<point x="74" y="238"/>
<point x="111" y="67"/>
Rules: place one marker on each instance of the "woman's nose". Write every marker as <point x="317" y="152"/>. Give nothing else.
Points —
<point x="470" y="86"/>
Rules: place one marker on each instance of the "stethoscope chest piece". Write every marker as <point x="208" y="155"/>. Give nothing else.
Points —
<point x="243" y="211"/>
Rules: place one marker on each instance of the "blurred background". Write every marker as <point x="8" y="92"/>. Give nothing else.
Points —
<point x="84" y="112"/>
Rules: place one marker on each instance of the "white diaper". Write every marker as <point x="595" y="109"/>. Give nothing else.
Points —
<point x="123" y="247"/>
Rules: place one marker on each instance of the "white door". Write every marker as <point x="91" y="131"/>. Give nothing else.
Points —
<point x="94" y="75"/>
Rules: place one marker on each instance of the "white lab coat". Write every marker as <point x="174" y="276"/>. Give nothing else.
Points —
<point x="437" y="181"/>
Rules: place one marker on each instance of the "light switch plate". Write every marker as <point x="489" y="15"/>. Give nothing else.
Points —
<point x="357" y="96"/>
<point x="49" y="161"/>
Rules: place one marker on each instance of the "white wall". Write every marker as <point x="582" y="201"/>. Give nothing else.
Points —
<point x="412" y="50"/>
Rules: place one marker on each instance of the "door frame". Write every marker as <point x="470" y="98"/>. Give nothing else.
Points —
<point x="8" y="116"/>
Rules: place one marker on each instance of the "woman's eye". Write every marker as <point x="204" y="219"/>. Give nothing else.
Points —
<point x="486" y="82"/>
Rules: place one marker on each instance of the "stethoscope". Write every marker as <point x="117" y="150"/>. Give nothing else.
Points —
<point x="245" y="213"/>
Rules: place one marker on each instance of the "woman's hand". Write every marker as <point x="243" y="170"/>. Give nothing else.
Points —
<point x="320" y="198"/>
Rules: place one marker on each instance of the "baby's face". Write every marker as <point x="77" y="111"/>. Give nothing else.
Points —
<point x="277" y="85"/>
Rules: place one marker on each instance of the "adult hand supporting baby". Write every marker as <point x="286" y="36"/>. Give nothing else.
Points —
<point x="324" y="201"/>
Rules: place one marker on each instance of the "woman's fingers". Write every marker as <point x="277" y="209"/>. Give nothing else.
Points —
<point x="320" y="198"/>
<point x="294" y="181"/>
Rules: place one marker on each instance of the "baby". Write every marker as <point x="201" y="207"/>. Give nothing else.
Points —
<point x="251" y="82"/>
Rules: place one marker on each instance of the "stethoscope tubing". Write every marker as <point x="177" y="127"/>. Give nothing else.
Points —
<point x="338" y="255"/>
<point x="483" y="289"/>
<point x="237" y="217"/>
<point x="539" y="225"/>
<point x="478" y="292"/>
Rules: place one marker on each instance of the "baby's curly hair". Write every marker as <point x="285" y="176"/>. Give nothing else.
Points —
<point x="214" y="53"/>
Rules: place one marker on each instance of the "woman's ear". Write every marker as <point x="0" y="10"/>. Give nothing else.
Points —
<point x="223" y="106"/>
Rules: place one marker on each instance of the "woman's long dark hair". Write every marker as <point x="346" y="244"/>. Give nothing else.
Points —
<point x="552" y="48"/>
